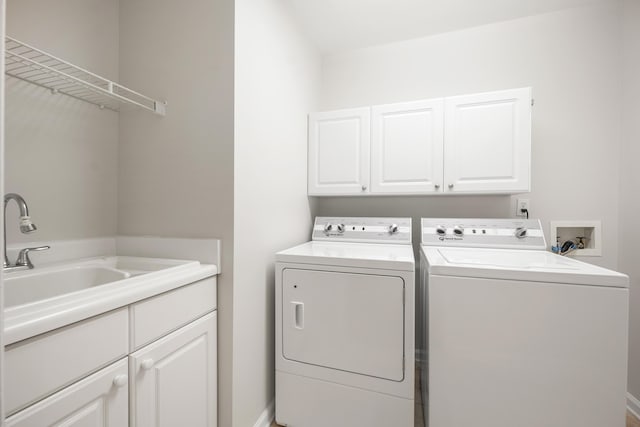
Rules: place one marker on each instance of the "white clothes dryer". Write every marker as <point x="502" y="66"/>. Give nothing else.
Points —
<point x="345" y="326"/>
<point x="518" y="336"/>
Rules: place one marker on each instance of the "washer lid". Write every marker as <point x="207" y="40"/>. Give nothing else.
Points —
<point x="363" y="255"/>
<point x="537" y="266"/>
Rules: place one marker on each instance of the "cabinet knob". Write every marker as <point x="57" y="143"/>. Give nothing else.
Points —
<point x="120" y="381"/>
<point x="364" y="188"/>
<point x="147" y="364"/>
<point x="450" y="185"/>
<point x="436" y="186"/>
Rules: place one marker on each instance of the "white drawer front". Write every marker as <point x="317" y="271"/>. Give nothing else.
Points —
<point x="41" y="365"/>
<point x="100" y="400"/>
<point x="159" y="315"/>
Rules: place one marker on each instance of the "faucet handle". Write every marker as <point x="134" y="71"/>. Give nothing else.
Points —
<point x="23" y="256"/>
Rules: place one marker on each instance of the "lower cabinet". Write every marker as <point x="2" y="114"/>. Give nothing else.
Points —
<point x="101" y="399"/>
<point x="173" y="380"/>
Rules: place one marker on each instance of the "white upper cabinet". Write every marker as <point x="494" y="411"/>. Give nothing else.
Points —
<point x="488" y="142"/>
<point x="407" y="147"/>
<point x="339" y="152"/>
<point x="469" y="144"/>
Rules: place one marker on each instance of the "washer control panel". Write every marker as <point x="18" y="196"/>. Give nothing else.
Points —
<point x="490" y="233"/>
<point x="362" y="229"/>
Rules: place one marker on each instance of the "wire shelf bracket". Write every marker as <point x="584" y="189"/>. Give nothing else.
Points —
<point x="35" y="66"/>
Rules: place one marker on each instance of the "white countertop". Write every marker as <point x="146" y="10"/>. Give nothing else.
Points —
<point x="25" y="321"/>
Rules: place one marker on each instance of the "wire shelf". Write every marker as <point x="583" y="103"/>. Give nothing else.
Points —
<point x="40" y="68"/>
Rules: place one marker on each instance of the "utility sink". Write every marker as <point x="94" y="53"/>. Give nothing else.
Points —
<point x="55" y="295"/>
<point x="40" y="284"/>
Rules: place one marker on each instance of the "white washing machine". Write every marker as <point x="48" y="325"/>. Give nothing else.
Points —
<point x="518" y="336"/>
<point x="345" y="326"/>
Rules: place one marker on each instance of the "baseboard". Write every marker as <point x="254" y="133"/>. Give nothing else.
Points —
<point x="267" y="416"/>
<point x="633" y="405"/>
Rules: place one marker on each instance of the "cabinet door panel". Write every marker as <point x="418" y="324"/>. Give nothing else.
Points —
<point x="488" y="142"/>
<point x="406" y="147"/>
<point x="174" y="379"/>
<point x="339" y="152"/>
<point x="95" y="401"/>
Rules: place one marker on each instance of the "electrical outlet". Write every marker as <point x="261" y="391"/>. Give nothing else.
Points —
<point x="520" y="205"/>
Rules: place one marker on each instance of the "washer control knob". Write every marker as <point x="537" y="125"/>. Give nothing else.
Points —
<point x="521" y="232"/>
<point x="441" y="230"/>
<point x="328" y="227"/>
<point x="340" y="228"/>
<point x="458" y="230"/>
<point x="393" y="228"/>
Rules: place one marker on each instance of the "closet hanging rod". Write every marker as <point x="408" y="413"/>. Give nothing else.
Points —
<point x="35" y="66"/>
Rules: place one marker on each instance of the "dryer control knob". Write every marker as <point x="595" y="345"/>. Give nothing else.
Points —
<point x="393" y="228"/>
<point x="521" y="232"/>
<point x="441" y="230"/>
<point x="328" y="227"/>
<point x="458" y="230"/>
<point x="340" y="228"/>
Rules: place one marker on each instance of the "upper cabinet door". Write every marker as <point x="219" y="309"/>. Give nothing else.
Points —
<point x="339" y="152"/>
<point x="406" y="147"/>
<point x="488" y="142"/>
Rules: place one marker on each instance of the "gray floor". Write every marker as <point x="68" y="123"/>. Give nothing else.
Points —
<point x="419" y="420"/>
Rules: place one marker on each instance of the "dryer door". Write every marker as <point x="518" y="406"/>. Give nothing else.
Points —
<point x="346" y="321"/>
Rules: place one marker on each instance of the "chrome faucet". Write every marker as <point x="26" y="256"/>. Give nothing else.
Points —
<point x="26" y="226"/>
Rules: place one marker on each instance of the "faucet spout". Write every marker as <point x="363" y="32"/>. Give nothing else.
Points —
<point x="26" y="226"/>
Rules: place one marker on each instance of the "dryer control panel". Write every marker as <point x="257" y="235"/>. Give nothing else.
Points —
<point x="362" y="230"/>
<point x="483" y="232"/>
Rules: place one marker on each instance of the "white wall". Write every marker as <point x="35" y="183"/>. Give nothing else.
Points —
<point x="630" y="180"/>
<point x="570" y="58"/>
<point x="176" y="172"/>
<point x="277" y="77"/>
<point x="61" y="153"/>
<point x="2" y="33"/>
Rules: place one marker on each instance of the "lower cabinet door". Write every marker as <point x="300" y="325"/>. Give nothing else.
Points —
<point x="174" y="379"/>
<point x="100" y="400"/>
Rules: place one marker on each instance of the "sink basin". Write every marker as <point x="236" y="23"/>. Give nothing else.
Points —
<point x="38" y="285"/>
<point x="55" y="281"/>
<point x="58" y="294"/>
